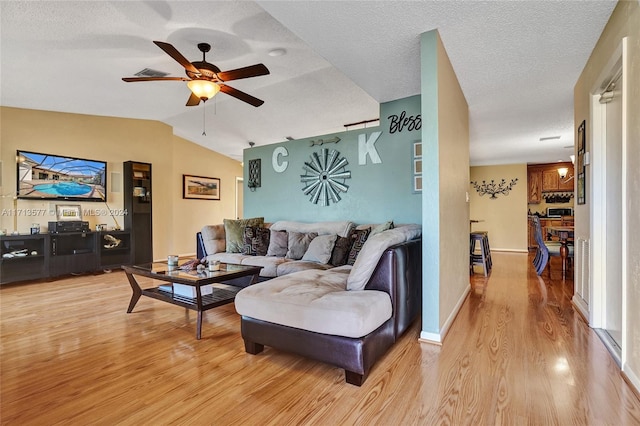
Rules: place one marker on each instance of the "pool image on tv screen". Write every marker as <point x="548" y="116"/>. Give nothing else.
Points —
<point x="46" y="176"/>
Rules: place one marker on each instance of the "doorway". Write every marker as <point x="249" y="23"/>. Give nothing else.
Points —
<point x="608" y="206"/>
<point x="614" y="214"/>
<point x="239" y="197"/>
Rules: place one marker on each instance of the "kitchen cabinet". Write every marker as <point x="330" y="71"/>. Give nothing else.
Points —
<point x="566" y="184"/>
<point x="534" y="183"/>
<point x="543" y="178"/>
<point x="550" y="180"/>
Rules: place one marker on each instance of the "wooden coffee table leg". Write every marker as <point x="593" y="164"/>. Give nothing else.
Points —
<point x="199" y="325"/>
<point x="137" y="292"/>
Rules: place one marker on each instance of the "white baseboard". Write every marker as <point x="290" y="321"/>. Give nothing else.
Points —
<point x="582" y="308"/>
<point x="438" y="338"/>
<point x="432" y="338"/>
<point x="632" y="378"/>
<point x="510" y="250"/>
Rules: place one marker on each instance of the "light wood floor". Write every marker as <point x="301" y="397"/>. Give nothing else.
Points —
<point x="518" y="353"/>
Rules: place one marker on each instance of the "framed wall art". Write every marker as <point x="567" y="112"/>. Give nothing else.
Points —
<point x="200" y="187"/>
<point x="580" y="166"/>
<point x="68" y="212"/>
<point x="416" y="155"/>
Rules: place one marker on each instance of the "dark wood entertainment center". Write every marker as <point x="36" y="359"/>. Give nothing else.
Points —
<point x="61" y="254"/>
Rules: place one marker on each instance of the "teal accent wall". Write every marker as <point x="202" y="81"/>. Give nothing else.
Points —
<point x="431" y="182"/>
<point x="377" y="192"/>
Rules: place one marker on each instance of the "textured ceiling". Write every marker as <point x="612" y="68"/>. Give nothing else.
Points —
<point x="517" y="63"/>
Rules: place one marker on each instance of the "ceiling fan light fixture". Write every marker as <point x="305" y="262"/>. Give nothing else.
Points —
<point x="204" y="89"/>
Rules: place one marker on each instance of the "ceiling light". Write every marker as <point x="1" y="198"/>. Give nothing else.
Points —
<point x="277" y="52"/>
<point x="204" y="89"/>
<point x="548" y="138"/>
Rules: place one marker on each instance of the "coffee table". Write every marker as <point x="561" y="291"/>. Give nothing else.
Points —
<point x="227" y="282"/>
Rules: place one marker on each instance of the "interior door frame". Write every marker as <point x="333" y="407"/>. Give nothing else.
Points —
<point x="598" y="195"/>
<point x="239" y="182"/>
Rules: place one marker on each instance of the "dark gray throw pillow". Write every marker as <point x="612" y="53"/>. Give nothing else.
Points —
<point x="341" y="251"/>
<point x="359" y="237"/>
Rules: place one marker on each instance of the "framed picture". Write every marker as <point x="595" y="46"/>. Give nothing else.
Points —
<point x="417" y="183"/>
<point x="200" y="187"/>
<point x="416" y="155"/>
<point x="580" y="169"/>
<point x="68" y="212"/>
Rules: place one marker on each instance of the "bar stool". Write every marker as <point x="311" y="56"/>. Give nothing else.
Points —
<point x="480" y="254"/>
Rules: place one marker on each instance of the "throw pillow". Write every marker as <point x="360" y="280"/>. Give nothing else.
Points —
<point x="256" y="241"/>
<point x="278" y="243"/>
<point x="381" y="228"/>
<point x="359" y="238"/>
<point x="320" y="249"/>
<point x="299" y="243"/>
<point x="234" y="232"/>
<point x="341" y="251"/>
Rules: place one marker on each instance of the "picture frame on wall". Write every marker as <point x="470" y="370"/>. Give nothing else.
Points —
<point x="580" y="166"/>
<point x="416" y="155"/>
<point x="200" y="187"/>
<point x="68" y="212"/>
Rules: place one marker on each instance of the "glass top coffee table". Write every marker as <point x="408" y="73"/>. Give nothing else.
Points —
<point x="226" y="283"/>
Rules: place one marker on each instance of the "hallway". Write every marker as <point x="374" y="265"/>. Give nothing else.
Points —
<point x="544" y="359"/>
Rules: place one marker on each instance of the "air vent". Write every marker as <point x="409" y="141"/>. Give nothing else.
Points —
<point x="148" y="72"/>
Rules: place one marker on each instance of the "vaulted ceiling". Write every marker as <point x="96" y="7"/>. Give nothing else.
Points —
<point x="517" y="63"/>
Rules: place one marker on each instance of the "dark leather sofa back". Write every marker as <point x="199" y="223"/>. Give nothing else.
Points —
<point x="399" y="273"/>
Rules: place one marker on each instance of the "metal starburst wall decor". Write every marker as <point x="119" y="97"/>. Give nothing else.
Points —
<point x="325" y="177"/>
<point x="493" y="188"/>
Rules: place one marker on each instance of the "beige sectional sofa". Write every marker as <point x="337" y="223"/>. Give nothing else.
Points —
<point x="347" y="315"/>
<point x="214" y="243"/>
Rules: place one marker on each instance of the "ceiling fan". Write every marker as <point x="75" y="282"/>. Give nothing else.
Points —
<point x="205" y="79"/>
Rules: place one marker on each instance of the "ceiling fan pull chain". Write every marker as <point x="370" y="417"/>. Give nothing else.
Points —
<point x="204" y="117"/>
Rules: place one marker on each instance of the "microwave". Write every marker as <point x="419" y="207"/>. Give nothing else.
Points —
<point x="559" y="212"/>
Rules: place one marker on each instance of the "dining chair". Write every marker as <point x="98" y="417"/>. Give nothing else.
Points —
<point x="545" y="248"/>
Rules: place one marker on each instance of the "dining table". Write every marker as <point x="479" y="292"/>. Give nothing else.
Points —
<point x="565" y="235"/>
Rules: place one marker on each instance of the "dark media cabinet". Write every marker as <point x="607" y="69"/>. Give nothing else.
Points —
<point x="61" y="254"/>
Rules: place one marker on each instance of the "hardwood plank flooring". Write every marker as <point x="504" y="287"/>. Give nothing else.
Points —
<point x="517" y="353"/>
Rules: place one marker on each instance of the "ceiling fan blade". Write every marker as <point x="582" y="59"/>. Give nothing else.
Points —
<point x="246" y="72"/>
<point x="173" y="52"/>
<point x="132" y="79"/>
<point x="241" y="95"/>
<point x="193" y="100"/>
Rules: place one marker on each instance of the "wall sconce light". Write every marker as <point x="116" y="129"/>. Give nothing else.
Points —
<point x="562" y="171"/>
<point x="573" y="159"/>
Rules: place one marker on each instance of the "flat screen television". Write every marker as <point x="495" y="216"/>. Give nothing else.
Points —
<point x="56" y="177"/>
